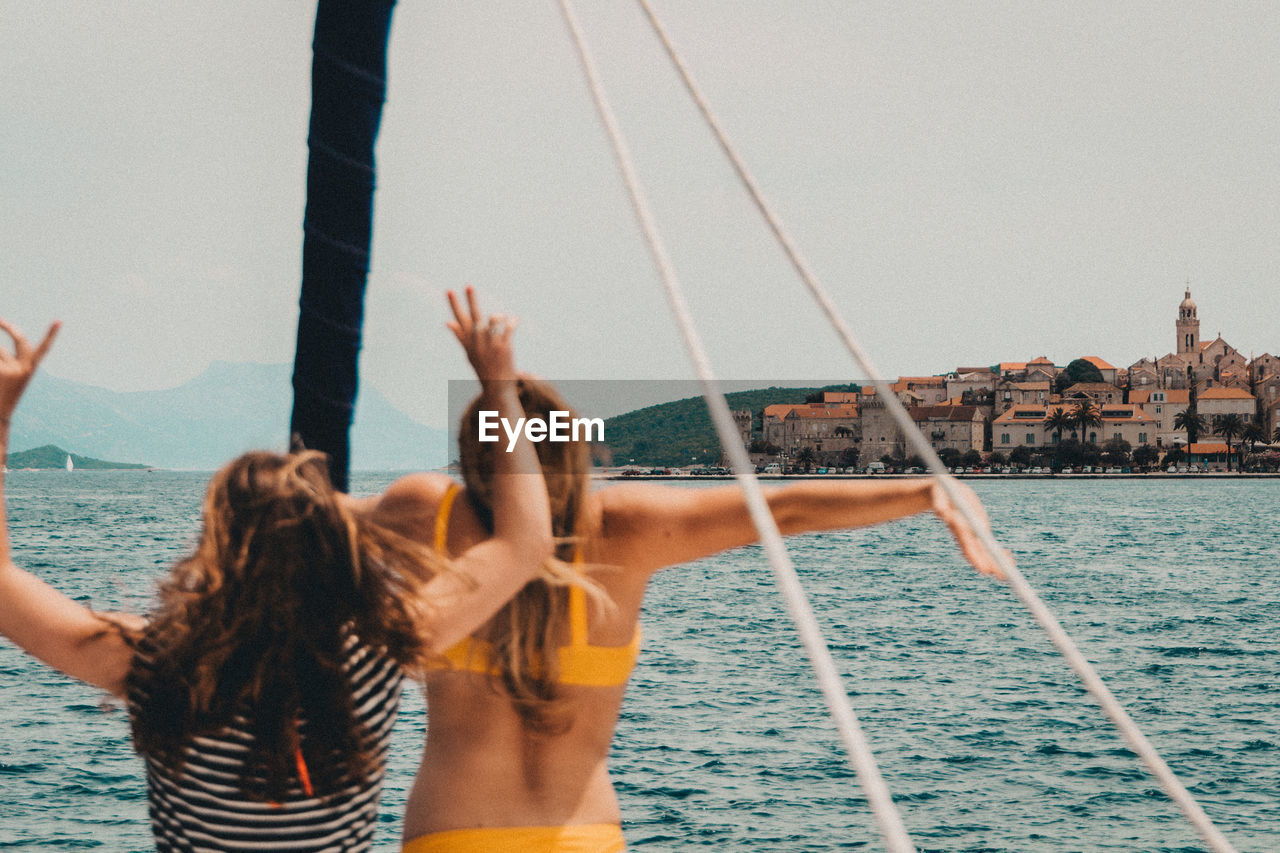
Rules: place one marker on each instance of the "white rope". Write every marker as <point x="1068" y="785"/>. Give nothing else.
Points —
<point x="889" y="821"/>
<point x="1021" y="588"/>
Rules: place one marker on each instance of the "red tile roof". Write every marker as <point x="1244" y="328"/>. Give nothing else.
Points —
<point x="1206" y="447"/>
<point x="812" y="413"/>
<point x="943" y="413"/>
<point x="1225" y="394"/>
<point x="780" y="410"/>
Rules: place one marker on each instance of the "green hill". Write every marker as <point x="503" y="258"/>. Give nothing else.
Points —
<point x="680" y="433"/>
<point x="51" y="456"/>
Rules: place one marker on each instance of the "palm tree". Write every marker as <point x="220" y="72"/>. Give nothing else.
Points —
<point x="806" y="457"/>
<point x="1086" y="414"/>
<point x="1190" y="420"/>
<point x="1275" y="436"/>
<point x="1058" y="421"/>
<point x="1228" y="426"/>
<point x="1254" y="434"/>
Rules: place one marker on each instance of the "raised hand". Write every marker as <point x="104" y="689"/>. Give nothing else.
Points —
<point x="17" y="367"/>
<point x="487" y="341"/>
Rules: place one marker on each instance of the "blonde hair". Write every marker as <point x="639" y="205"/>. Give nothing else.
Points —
<point x="525" y="634"/>
<point x="283" y="574"/>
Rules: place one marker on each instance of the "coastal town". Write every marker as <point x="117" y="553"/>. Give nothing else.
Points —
<point x="1202" y="407"/>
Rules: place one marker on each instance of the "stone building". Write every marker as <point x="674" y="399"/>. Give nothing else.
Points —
<point x="976" y="384"/>
<point x="828" y="430"/>
<point x="961" y="428"/>
<point x="1202" y="364"/>
<point x="1163" y="407"/>
<point x="1213" y="402"/>
<point x="1025" y="426"/>
<point x="823" y="426"/>
<point x="921" y="390"/>
<point x="1014" y="393"/>
<point x="1101" y="393"/>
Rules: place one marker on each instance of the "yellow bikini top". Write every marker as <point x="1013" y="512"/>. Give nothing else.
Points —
<point x="580" y="662"/>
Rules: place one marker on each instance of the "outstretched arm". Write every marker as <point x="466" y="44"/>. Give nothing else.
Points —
<point x="45" y="623"/>
<point x="499" y="566"/>
<point x="650" y="527"/>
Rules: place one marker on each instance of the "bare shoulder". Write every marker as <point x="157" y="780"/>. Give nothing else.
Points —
<point x="411" y="500"/>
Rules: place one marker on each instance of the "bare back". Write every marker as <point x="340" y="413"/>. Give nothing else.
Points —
<point x="482" y="766"/>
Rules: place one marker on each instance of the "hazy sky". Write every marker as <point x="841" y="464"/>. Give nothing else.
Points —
<point x="976" y="182"/>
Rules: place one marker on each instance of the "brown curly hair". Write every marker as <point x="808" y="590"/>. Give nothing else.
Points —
<point x="284" y="574"/>
<point x="525" y="634"/>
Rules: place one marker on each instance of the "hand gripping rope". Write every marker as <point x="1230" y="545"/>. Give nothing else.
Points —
<point x="886" y="815"/>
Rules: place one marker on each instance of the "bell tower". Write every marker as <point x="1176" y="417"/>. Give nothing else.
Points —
<point x="1188" y="326"/>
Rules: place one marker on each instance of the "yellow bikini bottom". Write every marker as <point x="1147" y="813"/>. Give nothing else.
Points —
<point x="585" y="838"/>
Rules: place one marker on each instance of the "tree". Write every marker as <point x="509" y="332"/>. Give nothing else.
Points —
<point x="848" y="458"/>
<point x="1059" y="421"/>
<point x="1190" y="420"/>
<point x="1077" y="371"/>
<point x="949" y="456"/>
<point x="1145" y="456"/>
<point x="1229" y="426"/>
<point x="1116" y="452"/>
<point x="1254" y="433"/>
<point x="971" y="458"/>
<point x="1173" y="457"/>
<point x="1086" y="414"/>
<point x="1068" y="453"/>
<point x="1020" y="456"/>
<point x="806" y="458"/>
<point x="998" y="459"/>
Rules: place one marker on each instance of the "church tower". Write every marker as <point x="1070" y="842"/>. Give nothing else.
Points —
<point x="1188" y="327"/>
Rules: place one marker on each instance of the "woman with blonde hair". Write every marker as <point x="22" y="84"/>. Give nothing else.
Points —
<point x="263" y="687"/>
<point x="522" y="713"/>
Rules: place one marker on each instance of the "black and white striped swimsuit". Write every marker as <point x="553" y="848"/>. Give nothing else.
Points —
<point x="201" y="808"/>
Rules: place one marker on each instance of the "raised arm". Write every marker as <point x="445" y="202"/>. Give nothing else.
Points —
<point x="45" y="623"/>
<point x="498" y="566"/>
<point x="649" y="527"/>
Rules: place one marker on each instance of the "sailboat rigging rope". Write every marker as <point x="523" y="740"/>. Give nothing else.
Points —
<point x="1021" y="588"/>
<point x="886" y="814"/>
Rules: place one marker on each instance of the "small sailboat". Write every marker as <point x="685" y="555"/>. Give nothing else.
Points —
<point x="70" y="465"/>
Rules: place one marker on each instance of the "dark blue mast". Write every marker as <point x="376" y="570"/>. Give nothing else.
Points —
<point x="348" y="87"/>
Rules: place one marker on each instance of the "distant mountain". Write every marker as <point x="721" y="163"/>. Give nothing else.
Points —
<point x="52" y="456"/>
<point x="228" y="409"/>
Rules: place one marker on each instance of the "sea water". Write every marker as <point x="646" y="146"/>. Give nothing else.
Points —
<point x="986" y="740"/>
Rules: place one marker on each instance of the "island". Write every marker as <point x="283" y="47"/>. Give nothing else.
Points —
<point x="52" y="456"/>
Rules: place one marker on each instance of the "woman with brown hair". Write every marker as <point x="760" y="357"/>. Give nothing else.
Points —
<point x="263" y="688"/>
<point x="523" y="712"/>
